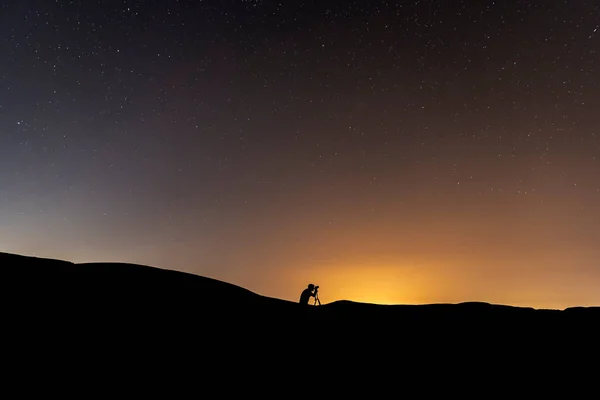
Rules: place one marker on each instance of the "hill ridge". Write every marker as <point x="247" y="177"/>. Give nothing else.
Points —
<point x="123" y="269"/>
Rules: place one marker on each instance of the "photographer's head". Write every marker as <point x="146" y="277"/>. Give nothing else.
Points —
<point x="311" y="286"/>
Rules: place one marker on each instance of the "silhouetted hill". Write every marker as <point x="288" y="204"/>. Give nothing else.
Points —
<point x="147" y="317"/>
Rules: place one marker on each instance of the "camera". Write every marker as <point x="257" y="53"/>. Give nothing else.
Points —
<point x="316" y="288"/>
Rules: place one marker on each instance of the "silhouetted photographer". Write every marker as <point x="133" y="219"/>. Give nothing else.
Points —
<point x="310" y="291"/>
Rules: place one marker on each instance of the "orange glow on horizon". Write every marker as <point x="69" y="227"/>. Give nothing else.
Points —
<point x="420" y="283"/>
<point x="386" y="284"/>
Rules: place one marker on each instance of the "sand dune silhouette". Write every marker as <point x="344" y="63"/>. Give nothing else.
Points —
<point x="107" y="284"/>
<point x="146" y="317"/>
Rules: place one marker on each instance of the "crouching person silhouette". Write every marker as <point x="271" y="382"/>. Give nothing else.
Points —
<point x="310" y="291"/>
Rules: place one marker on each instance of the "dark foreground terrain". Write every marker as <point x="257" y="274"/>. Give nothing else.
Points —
<point x="128" y="323"/>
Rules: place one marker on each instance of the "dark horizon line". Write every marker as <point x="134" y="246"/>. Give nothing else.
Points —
<point x="336" y="302"/>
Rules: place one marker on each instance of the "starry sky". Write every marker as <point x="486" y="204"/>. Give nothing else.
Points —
<point x="391" y="152"/>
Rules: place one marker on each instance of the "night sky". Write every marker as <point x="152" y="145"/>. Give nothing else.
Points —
<point x="390" y="152"/>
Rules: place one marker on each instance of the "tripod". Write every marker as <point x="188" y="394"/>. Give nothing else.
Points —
<point x="317" y="299"/>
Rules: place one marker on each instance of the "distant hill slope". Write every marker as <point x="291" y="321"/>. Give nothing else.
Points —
<point x="77" y="318"/>
<point x="129" y="280"/>
<point x="116" y="286"/>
